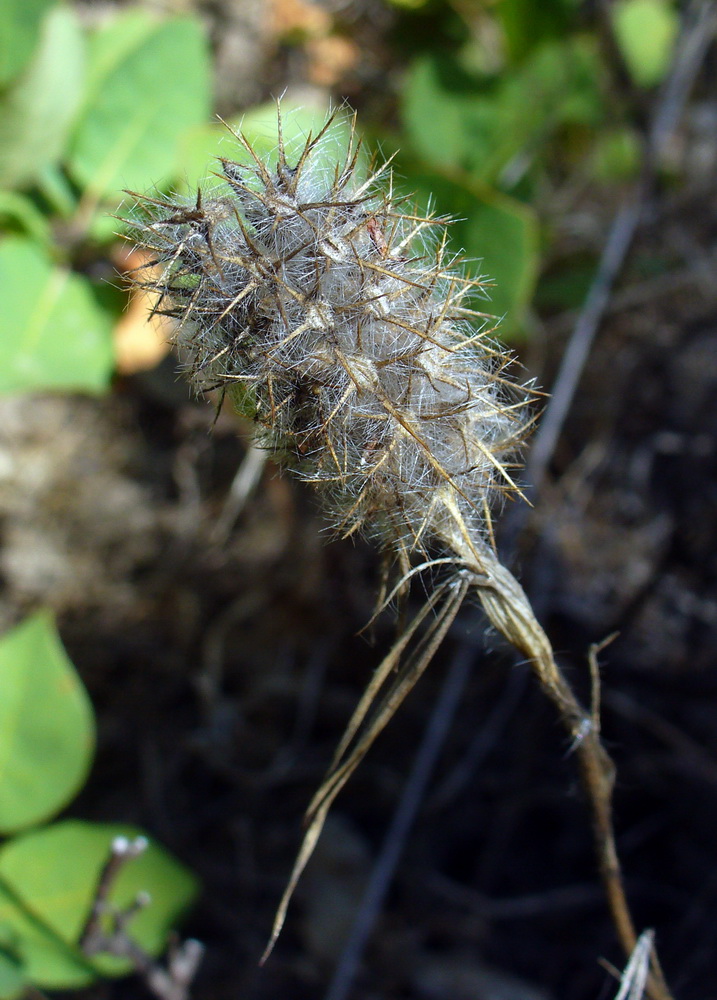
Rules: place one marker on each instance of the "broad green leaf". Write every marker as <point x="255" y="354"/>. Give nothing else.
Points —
<point x="104" y="229"/>
<point x="46" y="726"/>
<point x="449" y="122"/>
<point x="498" y="234"/>
<point x="148" y="82"/>
<point x="37" y="112"/>
<point x="53" y="874"/>
<point x="646" y="31"/>
<point x="199" y="149"/>
<point x="12" y="980"/>
<point x="19" y="32"/>
<point x="56" y="189"/>
<point x="53" y="333"/>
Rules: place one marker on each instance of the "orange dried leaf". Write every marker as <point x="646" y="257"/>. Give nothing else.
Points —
<point x="141" y="340"/>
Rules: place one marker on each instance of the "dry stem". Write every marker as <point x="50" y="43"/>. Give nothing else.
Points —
<point x="507" y="607"/>
<point x="509" y="611"/>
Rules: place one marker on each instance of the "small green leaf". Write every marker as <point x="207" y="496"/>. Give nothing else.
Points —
<point x="52" y="873"/>
<point x="616" y="155"/>
<point x="148" y="83"/>
<point x="497" y="232"/>
<point x="53" y="333"/>
<point x="37" y="112"/>
<point x="646" y="31"/>
<point x="19" y="31"/>
<point x="46" y="726"/>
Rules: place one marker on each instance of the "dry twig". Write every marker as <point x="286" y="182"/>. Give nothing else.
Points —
<point x="170" y="983"/>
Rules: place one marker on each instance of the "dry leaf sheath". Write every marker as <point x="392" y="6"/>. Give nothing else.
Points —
<point x="335" y="318"/>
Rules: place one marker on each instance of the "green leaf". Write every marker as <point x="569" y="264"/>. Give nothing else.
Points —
<point x="498" y="232"/>
<point x="558" y="85"/>
<point x="616" y="155"/>
<point x="19" y="32"/>
<point x="46" y="726"/>
<point x="646" y="31"/>
<point x="148" y="82"/>
<point x="449" y="122"/>
<point x="52" y="874"/>
<point x="496" y="129"/>
<point x="12" y="980"/>
<point x="53" y="333"/>
<point x="24" y="213"/>
<point x="527" y="23"/>
<point x="36" y="114"/>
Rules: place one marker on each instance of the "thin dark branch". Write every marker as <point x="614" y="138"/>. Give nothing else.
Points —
<point x="697" y="32"/>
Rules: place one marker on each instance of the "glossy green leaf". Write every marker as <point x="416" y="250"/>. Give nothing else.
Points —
<point x="646" y="31"/>
<point x="46" y="726"/>
<point x="498" y="234"/>
<point x="53" y="333"/>
<point x="52" y="874"/>
<point x="37" y="112"/>
<point x="148" y="82"/>
<point x="19" y="33"/>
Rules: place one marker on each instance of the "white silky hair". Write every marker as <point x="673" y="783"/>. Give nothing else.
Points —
<point x="333" y="314"/>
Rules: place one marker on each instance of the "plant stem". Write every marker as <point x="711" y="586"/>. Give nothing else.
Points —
<point x="509" y="611"/>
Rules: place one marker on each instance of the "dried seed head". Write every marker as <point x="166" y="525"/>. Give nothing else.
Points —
<point x="333" y="315"/>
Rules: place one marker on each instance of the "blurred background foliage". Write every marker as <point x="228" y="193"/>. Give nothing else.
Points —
<point x="488" y="103"/>
<point x="511" y="116"/>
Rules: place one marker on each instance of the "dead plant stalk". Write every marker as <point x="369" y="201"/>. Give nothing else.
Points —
<point x="335" y="318"/>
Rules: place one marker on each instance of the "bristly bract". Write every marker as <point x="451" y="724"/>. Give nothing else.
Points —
<point x="334" y="315"/>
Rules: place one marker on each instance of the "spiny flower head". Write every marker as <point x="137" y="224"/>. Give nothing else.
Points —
<point x="333" y="314"/>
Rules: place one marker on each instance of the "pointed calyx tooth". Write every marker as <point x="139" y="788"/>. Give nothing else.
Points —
<point x="328" y="310"/>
